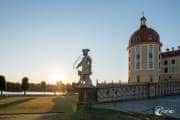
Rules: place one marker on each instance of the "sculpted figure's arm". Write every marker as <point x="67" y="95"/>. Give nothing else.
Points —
<point x="90" y="62"/>
<point x="80" y="63"/>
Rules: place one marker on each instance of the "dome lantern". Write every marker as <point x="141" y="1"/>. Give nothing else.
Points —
<point x="143" y="21"/>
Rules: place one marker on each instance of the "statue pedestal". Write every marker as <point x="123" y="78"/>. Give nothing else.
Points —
<point x="85" y="80"/>
<point x="87" y="92"/>
<point x="87" y="96"/>
<point x="86" y="84"/>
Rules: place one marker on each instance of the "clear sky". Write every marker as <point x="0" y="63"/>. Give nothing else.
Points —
<point x="41" y="39"/>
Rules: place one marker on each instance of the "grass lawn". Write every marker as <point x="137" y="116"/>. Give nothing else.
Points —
<point x="65" y="104"/>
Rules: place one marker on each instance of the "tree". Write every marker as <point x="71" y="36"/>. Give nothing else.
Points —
<point x="2" y="84"/>
<point x="60" y="86"/>
<point x="74" y="87"/>
<point x="69" y="88"/>
<point x="43" y="86"/>
<point x="25" y="84"/>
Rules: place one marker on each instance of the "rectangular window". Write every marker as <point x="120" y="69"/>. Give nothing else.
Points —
<point x="137" y="65"/>
<point x="138" y="78"/>
<point x="159" y="59"/>
<point x="166" y="70"/>
<point x="150" y="57"/>
<point x="173" y="69"/>
<point x="137" y="57"/>
<point x="165" y="62"/>
<point x="173" y="66"/>
<point x="173" y="61"/>
<point x="150" y="78"/>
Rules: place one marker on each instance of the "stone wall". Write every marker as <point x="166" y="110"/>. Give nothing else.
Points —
<point x="120" y="92"/>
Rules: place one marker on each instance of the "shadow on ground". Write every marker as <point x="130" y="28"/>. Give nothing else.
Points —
<point x="64" y="105"/>
<point x="15" y="103"/>
<point x="2" y="97"/>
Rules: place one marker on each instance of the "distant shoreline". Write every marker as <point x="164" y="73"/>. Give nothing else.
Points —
<point x="32" y="93"/>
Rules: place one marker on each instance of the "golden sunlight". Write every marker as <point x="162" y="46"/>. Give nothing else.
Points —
<point x="56" y="76"/>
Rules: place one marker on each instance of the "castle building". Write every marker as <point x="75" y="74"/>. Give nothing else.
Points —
<point x="144" y="55"/>
<point x="146" y="61"/>
<point x="170" y="65"/>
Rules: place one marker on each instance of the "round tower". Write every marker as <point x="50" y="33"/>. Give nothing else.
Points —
<point x="144" y="54"/>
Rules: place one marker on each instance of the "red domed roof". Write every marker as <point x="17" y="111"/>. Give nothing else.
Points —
<point x="144" y="35"/>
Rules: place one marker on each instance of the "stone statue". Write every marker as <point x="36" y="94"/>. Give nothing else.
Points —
<point x="85" y="71"/>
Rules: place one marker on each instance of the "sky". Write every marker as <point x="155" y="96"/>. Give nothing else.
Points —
<point x="41" y="39"/>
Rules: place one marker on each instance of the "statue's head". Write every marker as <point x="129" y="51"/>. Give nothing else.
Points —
<point x="85" y="51"/>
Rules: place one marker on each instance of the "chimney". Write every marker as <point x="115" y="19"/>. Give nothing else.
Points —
<point x="172" y="48"/>
<point x="167" y="49"/>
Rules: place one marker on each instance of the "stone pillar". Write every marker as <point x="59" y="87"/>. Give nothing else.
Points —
<point x="151" y="90"/>
<point x="87" y="96"/>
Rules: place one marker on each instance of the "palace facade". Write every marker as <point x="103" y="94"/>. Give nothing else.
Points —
<point x="146" y="61"/>
<point x="170" y="64"/>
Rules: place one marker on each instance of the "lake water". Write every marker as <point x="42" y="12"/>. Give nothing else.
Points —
<point x="7" y="93"/>
<point x="169" y="104"/>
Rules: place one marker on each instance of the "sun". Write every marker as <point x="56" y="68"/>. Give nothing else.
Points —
<point x="54" y="77"/>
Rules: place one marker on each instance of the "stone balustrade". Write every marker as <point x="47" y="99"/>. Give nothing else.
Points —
<point x="118" y="92"/>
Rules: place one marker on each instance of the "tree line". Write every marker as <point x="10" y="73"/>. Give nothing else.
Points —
<point x="25" y="85"/>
